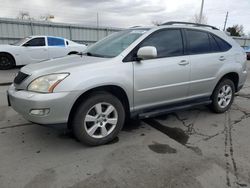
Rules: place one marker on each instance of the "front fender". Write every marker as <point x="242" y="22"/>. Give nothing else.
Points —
<point x="115" y="74"/>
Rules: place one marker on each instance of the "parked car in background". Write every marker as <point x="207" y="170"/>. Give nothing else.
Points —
<point x="135" y="73"/>
<point x="247" y="50"/>
<point x="34" y="49"/>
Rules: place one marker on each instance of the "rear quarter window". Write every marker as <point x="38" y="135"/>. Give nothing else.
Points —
<point x="223" y="45"/>
<point x="201" y="42"/>
<point x="52" y="41"/>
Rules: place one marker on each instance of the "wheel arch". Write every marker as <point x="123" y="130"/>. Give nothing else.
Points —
<point x="115" y="90"/>
<point x="234" y="76"/>
<point x="8" y="53"/>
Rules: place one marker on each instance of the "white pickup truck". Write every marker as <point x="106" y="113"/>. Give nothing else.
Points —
<point x="34" y="49"/>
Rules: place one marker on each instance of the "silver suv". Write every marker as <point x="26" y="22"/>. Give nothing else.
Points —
<point x="140" y="72"/>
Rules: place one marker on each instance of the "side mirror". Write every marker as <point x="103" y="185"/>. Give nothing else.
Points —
<point x="147" y="52"/>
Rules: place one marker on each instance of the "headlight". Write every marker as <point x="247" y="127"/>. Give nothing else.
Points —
<point x="47" y="83"/>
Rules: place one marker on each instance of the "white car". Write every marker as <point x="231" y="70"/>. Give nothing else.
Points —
<point x="35" y="49"/>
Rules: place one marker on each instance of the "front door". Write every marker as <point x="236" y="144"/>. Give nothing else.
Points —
<point x="165" y="79"/>
<point x="35" y="50"/>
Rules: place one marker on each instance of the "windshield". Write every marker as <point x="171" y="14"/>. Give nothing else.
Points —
<point x="114" y="44"/>
<point x="21" y="41"/>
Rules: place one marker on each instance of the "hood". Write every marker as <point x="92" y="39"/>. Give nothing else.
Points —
<point x="4" y="47"/>
<point x="64" y="64"/>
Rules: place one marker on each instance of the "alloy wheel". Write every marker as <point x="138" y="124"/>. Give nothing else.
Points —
<point x="224" y="96"/>
<point x="101" y="120"/>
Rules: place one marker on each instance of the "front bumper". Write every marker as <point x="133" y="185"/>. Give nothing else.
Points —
<point x="59" y="105"/>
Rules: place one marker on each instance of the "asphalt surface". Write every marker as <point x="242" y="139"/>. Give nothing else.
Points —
<point x="192" y="149"/>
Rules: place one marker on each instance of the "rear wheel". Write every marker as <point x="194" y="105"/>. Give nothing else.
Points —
<point x="223" y="96"/>
<point x="6" y="61"/>
<point x="98" y="119"/>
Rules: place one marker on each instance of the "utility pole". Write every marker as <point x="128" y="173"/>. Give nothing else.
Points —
<point x="225" y="23"/>
<point x="97" y="25"/>
<point x="201" y="12"/>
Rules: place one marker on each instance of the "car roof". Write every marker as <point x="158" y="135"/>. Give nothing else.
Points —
<point x="187" y="25"/>
<point x="34" y="36"/>
<point x="177" y="24"/>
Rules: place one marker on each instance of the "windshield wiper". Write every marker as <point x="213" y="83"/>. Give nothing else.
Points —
<point x="93" y="55"/>
<point x="88" y="54"/>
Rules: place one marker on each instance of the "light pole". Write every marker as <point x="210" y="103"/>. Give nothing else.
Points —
<point x="201" y="12"/>
<point x="97" y="25"/>
<point x="225" y="23"/>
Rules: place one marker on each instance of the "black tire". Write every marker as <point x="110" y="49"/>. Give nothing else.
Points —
<point x="215" y="107"/>
<point x="79" y="126"/>
<point x="6" y="61"/>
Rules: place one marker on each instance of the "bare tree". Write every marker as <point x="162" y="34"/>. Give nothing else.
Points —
<point x="47" y="17"/>
<point x="196" y="19"/>
<point x="24" y="15"/>
<point x="157" y="23"/>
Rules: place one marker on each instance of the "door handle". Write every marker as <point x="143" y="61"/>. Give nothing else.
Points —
<point x="183" y="62"/>
<point x="222" y="58"/>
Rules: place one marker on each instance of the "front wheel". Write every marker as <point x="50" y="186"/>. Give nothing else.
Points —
<point x="98" y="119"/>
<point x="223" y="96"/>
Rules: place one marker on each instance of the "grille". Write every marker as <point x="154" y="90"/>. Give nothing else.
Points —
<point x="20" y="77"/>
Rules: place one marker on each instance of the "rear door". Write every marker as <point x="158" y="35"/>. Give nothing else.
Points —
<point x="207" y="56"/>
<point x="35" y="50"/>
<point x="164" y="79"/>
<point x="56" y="47"/>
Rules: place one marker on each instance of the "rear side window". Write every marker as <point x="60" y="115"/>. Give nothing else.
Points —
<point x="203" y="42"/>
<point x="52" y="41"/>
<point x="167" y="42"/>
<point x="198" y="42"/>
<point x="214" y="45"/>
<point x="223" y="45"/>
<point x="36" y="42"/>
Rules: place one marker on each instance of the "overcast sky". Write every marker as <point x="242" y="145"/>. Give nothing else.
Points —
<point x="126" y="13"/>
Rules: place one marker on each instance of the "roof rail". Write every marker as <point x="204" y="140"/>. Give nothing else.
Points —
<point x="189" y="23"/>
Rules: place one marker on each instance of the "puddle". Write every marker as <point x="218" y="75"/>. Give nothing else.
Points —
<point x="197" y="150"/>
<point x="161" y="148"/>
<point x="175" y="133"/>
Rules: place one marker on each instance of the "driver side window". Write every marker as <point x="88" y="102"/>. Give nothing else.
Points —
<point x="167" y="42"/>
<point x="36" y="42"/>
